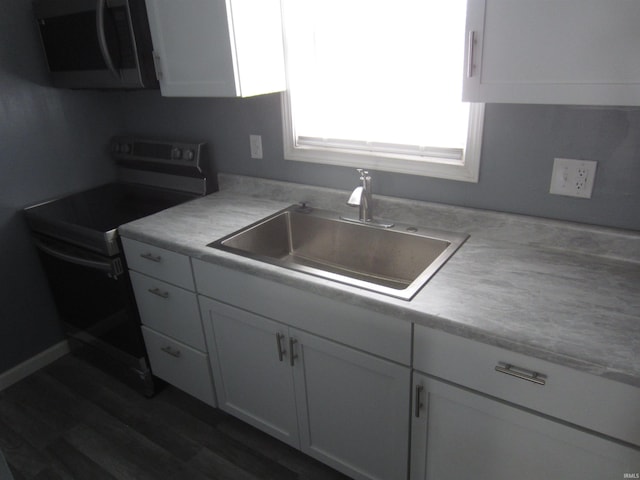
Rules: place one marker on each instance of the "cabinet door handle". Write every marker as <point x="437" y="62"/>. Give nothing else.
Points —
<point x="171" y="351"/>
<point x="152" y="257"/>
<point x="521" y="373"/>
<point x="471" y="53"/>
<point x="158" y="292"/>
<point x="281" y="351"/>
<point x="292" y="352"/>
<point x="417" y="400"/>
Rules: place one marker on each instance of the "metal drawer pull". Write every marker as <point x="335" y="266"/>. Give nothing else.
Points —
<point x="152" y="257"/>
<point x="159" y="293"/>
<point x="171" y="351"/>
<point x="521" y="373"/>
<point x="292" y="352"/>
<point x="417" y="402"/>
<point x="281" y="352"/>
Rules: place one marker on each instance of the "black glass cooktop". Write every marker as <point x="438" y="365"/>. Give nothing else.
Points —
<point x="91" y="217"/>
<point x="105" y="208"/>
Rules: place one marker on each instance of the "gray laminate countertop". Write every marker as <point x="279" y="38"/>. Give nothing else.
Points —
<point x="562" y="292"/>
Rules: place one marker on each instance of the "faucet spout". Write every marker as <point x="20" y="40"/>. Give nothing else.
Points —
<point x="361" y="197"/>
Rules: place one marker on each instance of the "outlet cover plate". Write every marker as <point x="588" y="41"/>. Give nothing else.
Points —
<point x="574" y="178"/>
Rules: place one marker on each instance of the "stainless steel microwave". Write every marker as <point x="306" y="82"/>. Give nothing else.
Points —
<point x="101" y="44"/>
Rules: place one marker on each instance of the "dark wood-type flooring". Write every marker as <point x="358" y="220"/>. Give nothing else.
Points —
<point x="73" y="421"/>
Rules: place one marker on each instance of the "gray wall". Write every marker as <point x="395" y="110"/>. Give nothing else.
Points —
<point x="51" y="142"/>
<point x="520" y="143"/>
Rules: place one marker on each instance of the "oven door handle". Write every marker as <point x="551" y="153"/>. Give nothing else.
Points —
<point x="110" y="268"/>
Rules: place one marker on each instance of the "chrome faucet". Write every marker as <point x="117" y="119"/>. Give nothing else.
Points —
<point x="361" y="197"/>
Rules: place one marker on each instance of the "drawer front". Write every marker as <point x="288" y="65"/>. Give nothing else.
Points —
<point x="169" y="310"/>
<point x="590" y="401"/>
<point x="157" y="262"/>
<point x="180" y="365"/>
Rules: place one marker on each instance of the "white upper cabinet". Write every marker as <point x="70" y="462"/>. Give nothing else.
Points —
<point x="580" y="52"/>
<point x="217" y="48"/>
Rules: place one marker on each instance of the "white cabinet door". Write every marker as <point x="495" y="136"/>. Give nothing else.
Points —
<point x="553" y="51"/>
<point x="344" y="407"/>
<point x="353" y="408"/>
<point x="459" y="434"/>
<point x="251" y="369"/>
<point x="217" y="48"/>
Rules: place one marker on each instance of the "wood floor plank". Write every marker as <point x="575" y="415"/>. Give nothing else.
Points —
<point x="304" y="466"/>
<point x="48" y="474"/>
<point x="29" y="422"/>
<point x="215" y="466"/>
<point x="244" y="457"/>
<point x="124" y="456"/>
<point x="23" y="458"/>
<point x="70" y="421"/>
<point x="141" y="416"/>
<point x="75" y="464"/>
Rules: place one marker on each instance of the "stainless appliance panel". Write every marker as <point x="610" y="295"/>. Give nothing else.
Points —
<point x="97" y="43"/>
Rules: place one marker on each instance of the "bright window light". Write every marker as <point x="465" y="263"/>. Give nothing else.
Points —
<point x="378" y="83"/>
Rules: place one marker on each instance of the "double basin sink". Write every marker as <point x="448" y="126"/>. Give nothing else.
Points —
<point x="395" y="261"/>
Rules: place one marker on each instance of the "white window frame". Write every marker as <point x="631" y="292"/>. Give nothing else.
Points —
<point x="466" y="169"/>
<point x="453" y="164"/>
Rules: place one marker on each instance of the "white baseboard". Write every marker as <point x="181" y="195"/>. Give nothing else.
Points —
<point x="33" y="364"/>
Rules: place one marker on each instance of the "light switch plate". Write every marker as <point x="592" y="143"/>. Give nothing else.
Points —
<point x="255" y="143"/>
<point x="574" y="178"/>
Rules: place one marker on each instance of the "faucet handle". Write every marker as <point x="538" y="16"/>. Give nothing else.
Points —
<point x="356" y="197"/>
<point x="362" y="172"/>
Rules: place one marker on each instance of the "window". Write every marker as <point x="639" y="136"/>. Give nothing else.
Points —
<point x="377" y="84"/>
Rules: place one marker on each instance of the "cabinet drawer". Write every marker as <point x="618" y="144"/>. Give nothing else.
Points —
<point x="590" y="401"/>
<point x="168" y="309"/>
<point x="157" y="262"/>
<point x="180" y="365"/>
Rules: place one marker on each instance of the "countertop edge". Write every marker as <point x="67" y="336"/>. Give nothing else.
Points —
<point x="276" y="195"/>
<point x="355" y="297"/>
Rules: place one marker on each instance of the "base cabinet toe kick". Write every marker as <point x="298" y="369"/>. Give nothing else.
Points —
<point x="371" y="396"/>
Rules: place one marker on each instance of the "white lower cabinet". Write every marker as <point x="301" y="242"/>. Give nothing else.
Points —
<point x="457" y="433"/>
<point x="164" y="289"/>
<point x="346" y="408"/>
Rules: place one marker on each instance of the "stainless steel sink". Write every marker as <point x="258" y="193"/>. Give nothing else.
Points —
<point x="395" y="261"/>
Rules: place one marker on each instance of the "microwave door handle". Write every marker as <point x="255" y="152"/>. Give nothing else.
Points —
<point x="84" y="262"/>
<point x="102" y="38"/>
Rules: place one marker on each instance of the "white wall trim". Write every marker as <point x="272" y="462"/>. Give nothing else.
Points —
<point x="33" y="364"/>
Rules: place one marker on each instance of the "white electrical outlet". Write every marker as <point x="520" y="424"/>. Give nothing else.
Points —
<point x="255" y="142"/>
<point x="573" y="178"/>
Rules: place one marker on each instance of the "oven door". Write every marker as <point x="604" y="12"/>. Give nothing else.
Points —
<point x="95" y="300"/>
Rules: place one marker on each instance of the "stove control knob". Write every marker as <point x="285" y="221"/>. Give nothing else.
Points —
<point x="188" y="155"/>
<point x="176" y="153"/>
